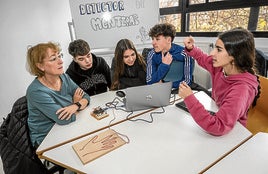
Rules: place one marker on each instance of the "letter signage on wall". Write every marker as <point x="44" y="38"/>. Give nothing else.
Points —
<point x="103" y="23"/>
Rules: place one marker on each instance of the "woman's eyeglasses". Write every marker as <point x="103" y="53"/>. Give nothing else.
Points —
<point x="53" y="58"/>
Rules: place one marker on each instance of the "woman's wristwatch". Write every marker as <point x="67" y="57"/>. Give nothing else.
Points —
<point x="79" y="105"/>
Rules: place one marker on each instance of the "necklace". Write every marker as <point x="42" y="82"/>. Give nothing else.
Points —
<point x="54" y="86"/>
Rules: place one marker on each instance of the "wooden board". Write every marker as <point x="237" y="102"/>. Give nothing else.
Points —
<point x="94" y="147"/>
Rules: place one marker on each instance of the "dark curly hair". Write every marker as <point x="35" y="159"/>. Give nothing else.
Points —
<point x="165" y="29"/>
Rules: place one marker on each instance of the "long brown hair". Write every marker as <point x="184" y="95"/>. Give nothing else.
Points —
<point x="240" y="44"/>
<point x="121" y="47"/>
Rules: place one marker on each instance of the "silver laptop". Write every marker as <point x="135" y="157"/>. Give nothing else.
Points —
<point x="147" y="96"/>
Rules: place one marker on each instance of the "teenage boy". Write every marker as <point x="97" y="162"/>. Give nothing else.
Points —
<point x="89" y="72"/>
<point x="161" y="60"/>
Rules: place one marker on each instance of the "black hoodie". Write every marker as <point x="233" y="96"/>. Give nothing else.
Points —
<point x="133" y="75"/>
<point x="93" y="81"/>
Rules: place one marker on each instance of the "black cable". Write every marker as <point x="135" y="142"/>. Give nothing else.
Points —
<point x="114" y="104"/>
<point x="174" y="99"/>
<point x="151" y="116"/>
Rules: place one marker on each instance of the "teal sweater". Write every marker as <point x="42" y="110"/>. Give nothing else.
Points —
<point x="43" y="104"/>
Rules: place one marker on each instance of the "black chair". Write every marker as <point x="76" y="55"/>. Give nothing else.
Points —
<point x="145" y="52"/>
<point x="261" y="62"/>
<point x="16" y="150"/>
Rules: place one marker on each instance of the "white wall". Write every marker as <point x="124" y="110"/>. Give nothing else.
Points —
<point x="28" y="22"/>
<point x="23" y="23"/>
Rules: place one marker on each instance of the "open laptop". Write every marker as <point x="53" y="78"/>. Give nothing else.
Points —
<point x="147" y="96"/>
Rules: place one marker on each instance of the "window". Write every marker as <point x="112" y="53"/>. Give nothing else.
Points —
<point x="168" y="3"/>
<point x="208" y="17"/>
<point x="174" y="19"/>
<point x="263" y="19"/>
<point x="201" y="1"/>
<point x="218" y="20"/>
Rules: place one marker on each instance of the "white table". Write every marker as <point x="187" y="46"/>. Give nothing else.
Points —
<point x="250" y="157"/>
<point x="172" y="144"/>
<point x="85" y="124"/>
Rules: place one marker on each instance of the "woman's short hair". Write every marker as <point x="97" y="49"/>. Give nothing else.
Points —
<point x="36" y="54"/>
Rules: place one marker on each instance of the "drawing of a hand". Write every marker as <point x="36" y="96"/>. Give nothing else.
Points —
<point x="97" y="144"/>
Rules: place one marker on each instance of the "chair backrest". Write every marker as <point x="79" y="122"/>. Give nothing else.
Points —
<point x="258" y="116"/>
<point x="145" y="52"/>
<point x="261" y="62"/>
<point x="202" y="76"/>
<point x="262" y="100"/>
<point x="16" y="150"/>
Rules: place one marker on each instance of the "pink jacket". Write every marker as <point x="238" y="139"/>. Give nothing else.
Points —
<point x="233" y="94"/>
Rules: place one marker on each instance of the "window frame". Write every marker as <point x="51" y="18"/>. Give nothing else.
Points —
<point x="185" y="8"/>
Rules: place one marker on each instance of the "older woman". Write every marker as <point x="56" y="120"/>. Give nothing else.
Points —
<point x="52" y="96"/>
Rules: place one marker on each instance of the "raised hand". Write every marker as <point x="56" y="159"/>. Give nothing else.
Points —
<point x="184" y="90"/>
<point x="189" y="42"/>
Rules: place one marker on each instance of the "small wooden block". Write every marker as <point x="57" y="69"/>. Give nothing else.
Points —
<point x="99" y="113"/>
<point x="99" y="116"/>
